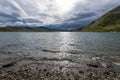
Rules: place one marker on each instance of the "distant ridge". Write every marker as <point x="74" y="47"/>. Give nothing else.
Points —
<point x="109" y="22"/>
<point x="31" y="29"/>
<point x="24" y="29"/>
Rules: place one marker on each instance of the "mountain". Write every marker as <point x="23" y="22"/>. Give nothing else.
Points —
<point x="37" y="28"/>
<point x="61" y="27"/>
<point x="109" y="22"/>
<point x="24" y="29"/>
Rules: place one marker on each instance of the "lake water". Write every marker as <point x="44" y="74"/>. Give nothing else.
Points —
<point x="60" y="55"/>
<point x="70" y="46"/>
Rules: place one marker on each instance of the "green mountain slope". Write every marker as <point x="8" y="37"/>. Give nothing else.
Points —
<point x="110" y="22"/>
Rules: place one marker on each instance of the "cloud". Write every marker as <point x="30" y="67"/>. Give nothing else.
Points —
<point x="52" y="12"/>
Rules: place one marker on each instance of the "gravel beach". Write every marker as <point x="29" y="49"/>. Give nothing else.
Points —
<point x="60" y="56"/>
<point x="29" y="68"/>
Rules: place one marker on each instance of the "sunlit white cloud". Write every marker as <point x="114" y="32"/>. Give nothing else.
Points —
<point x="50" y="12"/>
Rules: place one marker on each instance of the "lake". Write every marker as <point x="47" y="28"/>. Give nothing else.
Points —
<point x="60" y="48"/>
<point x="64" y="44"/>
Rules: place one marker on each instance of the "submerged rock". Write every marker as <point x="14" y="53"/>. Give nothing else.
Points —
<point x="95" y="58"/>
<point x="8" y="65"/>
<point x="106" y="64"/>
<point x="93" y="65"/>
<point x="116" y="63"/>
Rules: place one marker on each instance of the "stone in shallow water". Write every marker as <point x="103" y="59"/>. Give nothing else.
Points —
<point x="116" y="63"/>
<point x="95" y="58"/>
<point x="8" y="65"/>
<point x="105" y="65"/>
<point x="93" y="65"/>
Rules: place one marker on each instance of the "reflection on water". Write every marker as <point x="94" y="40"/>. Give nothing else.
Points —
<point x="68" y="46"/>
<point x="65" y="36"/>
<point x="64" y="47"/>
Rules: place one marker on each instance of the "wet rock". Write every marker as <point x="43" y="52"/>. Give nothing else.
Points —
<point x="118" y="64"/>
<point x="81" y="72"/>
<point x="51" y="51"/>
<point x="106" y="64"/>
<point x="93" y="65"/>
<point x="107" y="73"/>
<point x="95" y="58"/>
<point x="60" y="67"/>
<point x="8" y="65"/>
<point x="45" y="70"/>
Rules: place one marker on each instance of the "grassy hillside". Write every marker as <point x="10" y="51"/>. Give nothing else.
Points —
<point x="110" y="22"/>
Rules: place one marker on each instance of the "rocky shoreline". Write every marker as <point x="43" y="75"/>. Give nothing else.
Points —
<point x="34" y="69"/>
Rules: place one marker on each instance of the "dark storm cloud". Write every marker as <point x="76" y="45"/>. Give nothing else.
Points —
<point x="82" y="16"/>
<point x="9" y="18"/>
<point x="52" y="12"/>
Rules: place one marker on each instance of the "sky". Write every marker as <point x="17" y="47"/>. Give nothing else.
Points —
<point x="52" y="12"/>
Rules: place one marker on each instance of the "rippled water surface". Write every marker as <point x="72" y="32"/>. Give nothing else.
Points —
<point x="64" y="46"/>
